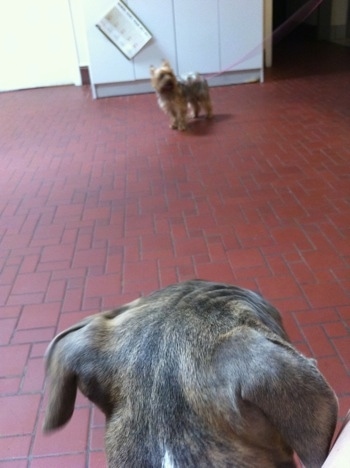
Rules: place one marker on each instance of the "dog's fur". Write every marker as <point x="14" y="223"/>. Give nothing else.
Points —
<point x="198" y="374"/>
<point x="176" y="94"/>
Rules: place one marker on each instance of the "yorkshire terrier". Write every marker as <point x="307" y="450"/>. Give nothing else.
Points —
<point x="175" y="95"/>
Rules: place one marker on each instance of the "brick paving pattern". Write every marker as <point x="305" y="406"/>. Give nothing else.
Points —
<point x="101" y="202"/>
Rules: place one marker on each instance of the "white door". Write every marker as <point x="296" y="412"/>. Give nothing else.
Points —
<point x="37" y="45"/>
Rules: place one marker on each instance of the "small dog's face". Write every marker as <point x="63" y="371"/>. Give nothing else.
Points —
<point x="163" y="78"/>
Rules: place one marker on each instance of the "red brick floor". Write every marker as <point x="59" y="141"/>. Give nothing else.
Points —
<point x="100" y="202"/>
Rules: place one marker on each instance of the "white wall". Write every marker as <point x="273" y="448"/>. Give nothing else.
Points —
<point x="37" y="44"/>
<point x="78" y="19"/>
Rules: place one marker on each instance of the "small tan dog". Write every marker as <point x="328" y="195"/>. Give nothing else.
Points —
<point x="198" y="374"/>
<point x="175" y="95"/>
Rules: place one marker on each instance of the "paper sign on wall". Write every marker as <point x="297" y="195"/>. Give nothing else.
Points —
<point x="124" y="30"/>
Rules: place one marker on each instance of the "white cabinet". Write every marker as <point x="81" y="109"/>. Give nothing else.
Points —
<point x="197" y="35"/>
<point x="157" y="16"/>
<point x="208" y="36"/>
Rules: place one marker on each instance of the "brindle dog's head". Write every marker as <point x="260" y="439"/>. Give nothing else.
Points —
<point x="198" y="374"/>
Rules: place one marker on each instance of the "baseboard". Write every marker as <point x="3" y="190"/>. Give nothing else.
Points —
<point x="144" y="86"/>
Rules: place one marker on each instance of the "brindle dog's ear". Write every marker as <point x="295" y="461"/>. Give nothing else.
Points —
<point x="62" y="377"/>
<point x="63" y="367"/>
<point x="286" y="386"/>
<point x="63" y="391"/>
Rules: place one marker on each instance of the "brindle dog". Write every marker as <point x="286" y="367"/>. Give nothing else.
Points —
<point x="198" y="374"/>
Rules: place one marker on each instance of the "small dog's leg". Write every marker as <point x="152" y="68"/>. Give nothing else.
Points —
<point x="174" y="120"/>
<point x="182" y="124"/>
<point x="208" y="109"/>
<point x="173" y="123"/>
<point x="196" y="108"/>
<point x="182" y="116"/>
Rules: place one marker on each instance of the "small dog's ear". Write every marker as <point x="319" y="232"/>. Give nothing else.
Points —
<point x="151" y="70"/>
